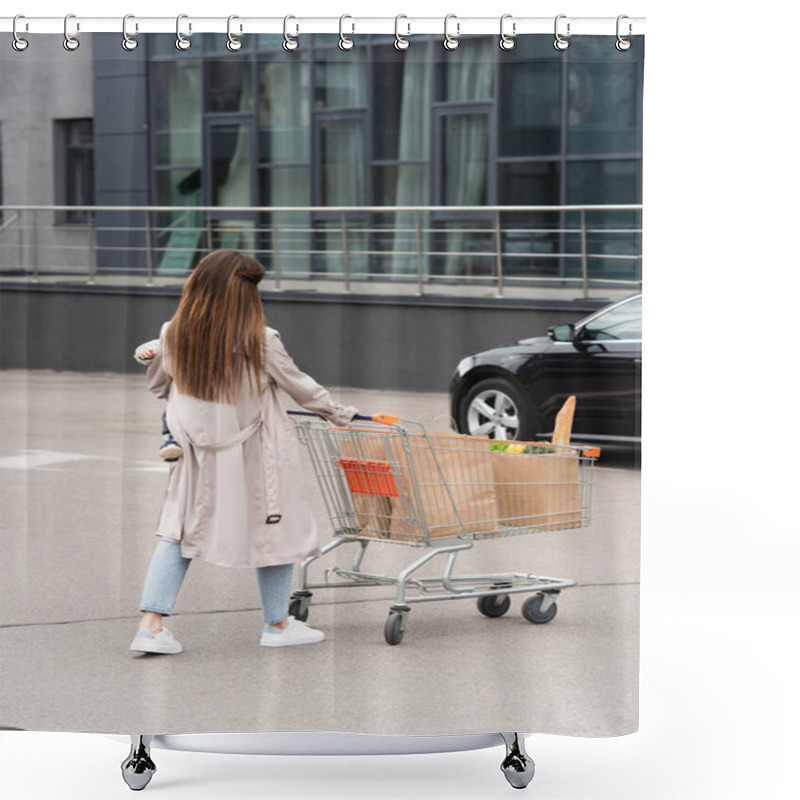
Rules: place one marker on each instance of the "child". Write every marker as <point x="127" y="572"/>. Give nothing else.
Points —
<point x="170" y="450"/>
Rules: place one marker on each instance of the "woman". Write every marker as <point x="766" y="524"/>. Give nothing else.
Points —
<point x="237" y="497"/>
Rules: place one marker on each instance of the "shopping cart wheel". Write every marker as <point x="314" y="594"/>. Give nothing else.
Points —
<point x="533" y="612"/>
<point x="494" y="605"/>
<point x="298" y="607"/>
<point x="395" y="626"/>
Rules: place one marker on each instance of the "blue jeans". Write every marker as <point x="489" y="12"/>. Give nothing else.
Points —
<point x="168" y="568"/>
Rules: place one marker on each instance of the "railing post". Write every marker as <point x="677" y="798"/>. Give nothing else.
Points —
<point x="584" y="257"/>
<point x="499" y="253"/>
<point x="209" y="240"/>
<point x="148" y="247"/>
<point x="418" y="242"/>
<point x="345" y="254"/>
<point x="92" y="249"/>
<point x="35" y="244"/>
<point x="276" y="267"/>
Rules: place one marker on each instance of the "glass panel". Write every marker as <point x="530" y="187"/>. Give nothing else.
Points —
<point x="218" y="42"/>
<point x="177" y="112"/>
<point x="465" y="140"/>
<point x="401" y="104"/>
<point x="528" y="183"/>
<point x="272" y="42"/>
<point x="607" y="182"/>
<point x="467" y="73"/>
<point x="463" y="248"/>
<point x="177" y="235"/>
<point x="230" y="149"/>
<point x="284" y="112"/>
<point x="340" y="79"/>
<point x="228" y="85"/>
<point x="525" y="233"/>
<point x="343" y="148"/>
<point x="289" y="232"/>
<point x="603" y="100"/>
<point x="400" y="185"/>
<point x="162" y="44"/>
<point x="530" y="108"/>
<point x="603" y="182"/>
<point x="397" y="236"/>
<point x="622" y="322"/>
<point x="341" y="255"/>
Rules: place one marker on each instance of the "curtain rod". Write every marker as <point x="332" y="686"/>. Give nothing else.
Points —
<point x="404" y="25"/>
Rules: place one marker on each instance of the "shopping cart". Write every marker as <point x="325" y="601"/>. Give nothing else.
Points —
<point x="385" y="479"/>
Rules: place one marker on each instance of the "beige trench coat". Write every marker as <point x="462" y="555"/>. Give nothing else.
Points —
<point x="241" y="466"/>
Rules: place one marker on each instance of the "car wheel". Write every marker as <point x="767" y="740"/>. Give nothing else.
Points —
<point x="497" y="408"/>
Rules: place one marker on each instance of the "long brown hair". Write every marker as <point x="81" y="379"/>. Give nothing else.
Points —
<point x="217" y="333"/>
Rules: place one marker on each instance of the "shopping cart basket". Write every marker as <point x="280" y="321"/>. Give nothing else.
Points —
<point x="385" y="479"/>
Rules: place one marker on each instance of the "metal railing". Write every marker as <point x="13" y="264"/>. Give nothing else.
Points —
<point x="347" y="248"/>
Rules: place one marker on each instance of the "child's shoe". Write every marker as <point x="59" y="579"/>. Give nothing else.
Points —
<point x="170" y="450"/>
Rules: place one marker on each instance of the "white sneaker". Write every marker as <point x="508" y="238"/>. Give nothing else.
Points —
<point x="296" y="633"/>
<point x="161" y="642"/>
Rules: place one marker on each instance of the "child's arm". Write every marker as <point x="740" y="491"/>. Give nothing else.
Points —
<point x="145" y="353"/>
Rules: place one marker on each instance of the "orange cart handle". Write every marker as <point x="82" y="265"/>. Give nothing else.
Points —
<point x="385" y="419"/>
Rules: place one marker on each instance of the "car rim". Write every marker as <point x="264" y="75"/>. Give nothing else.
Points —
<point x="492" y="413"/>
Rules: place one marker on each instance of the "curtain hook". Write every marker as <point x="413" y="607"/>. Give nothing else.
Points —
<point x="289" y="43"/>
<point x="182" y="43"/>
<point x="451" y="42"/>
<point x="128" y="43"/>
<point x="70" y="42"/>
<point x="623" y="44"/>
<point x="19" y="44"/>
<point x="400" y="42"/>
<point x="507" y="42"/>
<point x="561" y="43"/>
<point x="233" y="44"/>
<point x="345" y="43"/>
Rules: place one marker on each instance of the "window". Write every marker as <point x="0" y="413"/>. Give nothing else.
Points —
<point x="620" y="322"/>
<point x="74" y="164"/>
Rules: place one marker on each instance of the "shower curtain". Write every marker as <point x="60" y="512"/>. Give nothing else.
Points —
<point x="390" y="261"/>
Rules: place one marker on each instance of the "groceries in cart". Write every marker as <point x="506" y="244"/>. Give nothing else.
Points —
<point x="388" y="479"/>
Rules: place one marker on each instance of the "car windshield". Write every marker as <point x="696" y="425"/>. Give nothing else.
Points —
<point x="621" y="322"/>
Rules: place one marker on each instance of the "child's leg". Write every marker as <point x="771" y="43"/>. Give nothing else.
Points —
<point x="170" y="450"/>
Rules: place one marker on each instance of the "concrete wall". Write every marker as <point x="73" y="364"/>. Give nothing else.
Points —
<point x="37" y="86"/>
<point x="378" y="343"/>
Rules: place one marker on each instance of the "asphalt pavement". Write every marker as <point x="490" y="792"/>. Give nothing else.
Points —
<point x="80" y="487"/>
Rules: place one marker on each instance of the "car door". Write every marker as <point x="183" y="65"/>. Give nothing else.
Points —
<point x="601" y="366"/>
<point x="608" y="363"/>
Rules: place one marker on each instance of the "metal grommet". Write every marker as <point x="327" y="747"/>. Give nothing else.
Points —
<point x="507" y="42"/>
<point x="451" y="42"/>
<point x="400" y="42"/>
<point x="345" y="42"/>
<point x="623" y="44"/>
<point x="128" y="43"/>
<point x="561" y="43"/>
<point x="233" y="44"/>
<point x="289" y="44"/>
<point x="182" y="43"/>
<point x="70" y="42"/>
<point x="18" y="43"/>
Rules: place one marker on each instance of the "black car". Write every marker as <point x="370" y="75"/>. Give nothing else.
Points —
<point x="515" y="391"/>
